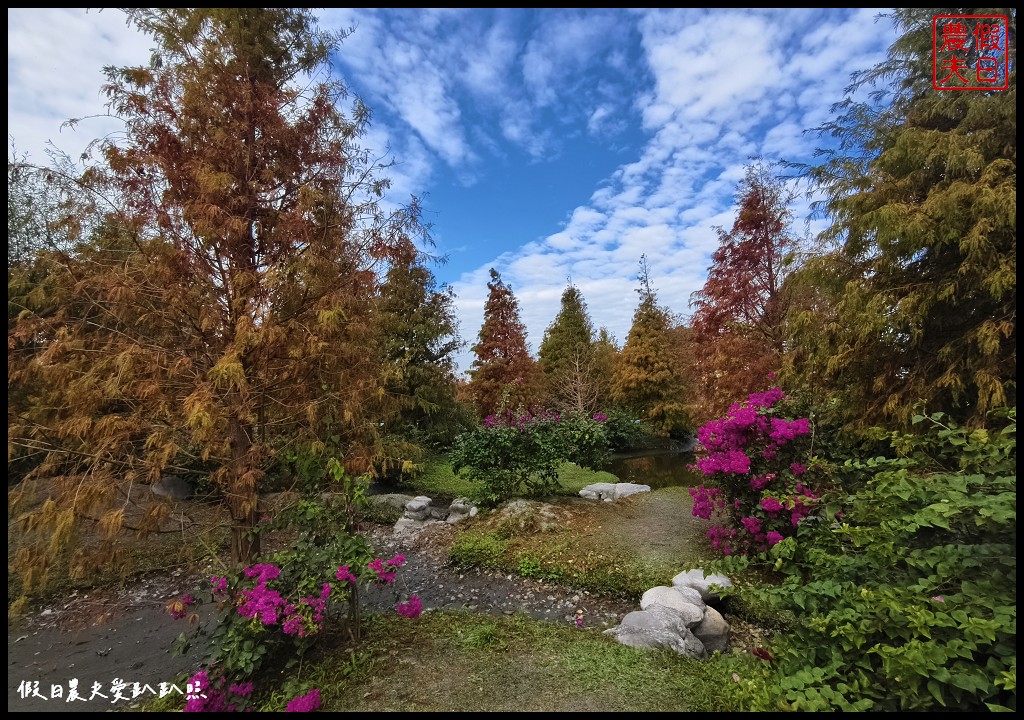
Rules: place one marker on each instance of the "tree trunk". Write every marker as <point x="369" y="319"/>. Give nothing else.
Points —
<point x="245" y="544"/>
<point x="243" y="497"/>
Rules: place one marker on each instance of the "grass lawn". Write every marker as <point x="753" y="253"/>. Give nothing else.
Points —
<point x="436" y="479"/>
<point x="456" y="662"/>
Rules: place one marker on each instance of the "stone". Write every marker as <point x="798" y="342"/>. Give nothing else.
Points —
<point x="658" y="627"/>
<point x="688" y="605"/>
<point x="409" y="526"/>
<point x="418" y="508"/>
<point x="713" y="631"/>
<point x="172" y="487"/>
<point x="612" y="491"/>
<point x="393" y="500"/>
<point x="626" y="489"/>
<point x="598" y="491"/>
<point x="702" y="583"/>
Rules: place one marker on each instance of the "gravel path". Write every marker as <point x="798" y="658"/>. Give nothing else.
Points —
<point x="112" y="635"/>
<point x="441" y="586"/>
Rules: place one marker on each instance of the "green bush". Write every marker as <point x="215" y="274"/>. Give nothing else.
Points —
<point x="519" y="455"/>
<point x="905" y="597"/>
<point x="625" y="432"/>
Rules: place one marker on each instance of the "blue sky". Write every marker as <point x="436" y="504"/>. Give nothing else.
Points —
<point x="546" y="143"/>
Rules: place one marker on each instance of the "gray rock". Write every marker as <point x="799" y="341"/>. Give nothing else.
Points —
<point x="437" y="513"/>
<point x="394" y="500"/>
<point x="172" y="487"/>
<point x="658" y="627"/>
<point x="690" y="606"/>
<point x="598" y="491"/>
<point x="626" y="489"/>
<point x="418" y="508"/>
<point x="421" y="502"/>
<point x="612" y="491"/>
<point x="713" y="631"/>
<point x="409" y="526"/>
<point x="702" y="583"/>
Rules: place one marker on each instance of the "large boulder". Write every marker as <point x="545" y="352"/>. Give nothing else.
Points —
<point x="713" y="631"/>
<point x="658" y="627"/>
<point x="599" y="491"/>
<point x="702" y="583"/>
<point x="684" y="600"/>
<point x="172" y="487"/>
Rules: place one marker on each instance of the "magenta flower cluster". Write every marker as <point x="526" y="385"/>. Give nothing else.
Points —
<point x="386" y="570"/>
<point x="202" y="696"/>
<point x="600" y="417"/>
<point x="411" y="608"/>
<point x="521" y="421"/>
<point x="760" y="485"/>
<point x="304" y="703"/>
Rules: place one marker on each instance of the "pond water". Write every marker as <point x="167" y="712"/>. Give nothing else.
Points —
<point x="657" y="468"/>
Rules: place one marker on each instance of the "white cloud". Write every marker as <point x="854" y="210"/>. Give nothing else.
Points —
<point x="55" y="60"/>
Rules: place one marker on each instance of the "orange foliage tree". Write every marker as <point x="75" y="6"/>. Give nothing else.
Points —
<point x="738" y="322"/>
<point x="503" y="365"/>
<point x="222" y="311"/>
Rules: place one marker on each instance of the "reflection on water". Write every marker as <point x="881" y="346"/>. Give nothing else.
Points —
<point x="657" y="468"/>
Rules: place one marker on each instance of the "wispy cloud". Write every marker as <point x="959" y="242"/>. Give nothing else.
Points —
<point x="56" y="75"/>
<point x="726" y="86"/>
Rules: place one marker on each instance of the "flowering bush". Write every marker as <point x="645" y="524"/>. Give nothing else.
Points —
<point x="305" y="703"/>
<point x="513" y="454"/>
<point x="907" y="600"/>
<point x="273" y="611"/>
<point x="762" y="492"/>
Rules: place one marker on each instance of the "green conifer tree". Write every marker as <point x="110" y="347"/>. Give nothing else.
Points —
<point x="567" y="356"/>
<point x="916" y="303"/>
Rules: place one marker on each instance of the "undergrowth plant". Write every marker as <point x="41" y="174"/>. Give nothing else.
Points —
<point x="906" y="598"/>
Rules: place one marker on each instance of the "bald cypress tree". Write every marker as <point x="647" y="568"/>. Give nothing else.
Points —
<point x="567" y="356"/>
<point x="916" y="300"/>
<point x="738" y="319"/>
<point x="648" y="375"/>
<point x="223" y="308"/>
<point x="503" y="365"/>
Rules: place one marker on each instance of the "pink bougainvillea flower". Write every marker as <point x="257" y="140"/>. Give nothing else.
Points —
<point x="411" y="609"/>
<point x="305" y="703"/>
<point x="344" y="575"/>
<point x="938" y="598"/>
<point x="770" y="504"/>
<point x="263" y="572"/>
<point x="773" y="538"/>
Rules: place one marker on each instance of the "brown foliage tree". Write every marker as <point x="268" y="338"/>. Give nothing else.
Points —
<point x="223" y="310"/>
<point x="648" y="377"/>
<point x="740" y="311"/>
<point x="503" y="363"/>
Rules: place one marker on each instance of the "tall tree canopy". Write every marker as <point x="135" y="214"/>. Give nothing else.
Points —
<point x="738" y="322"/>
<point x="648" y="375"/>
<point x="419" y="335"/>
<point x="222" y="311"/>
<point x="917" y="300"/>
<point x="567" y="356"/>
<point x="503" y="362"/>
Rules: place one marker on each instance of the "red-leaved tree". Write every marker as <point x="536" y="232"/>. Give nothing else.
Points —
<point x="739" y="313"/>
